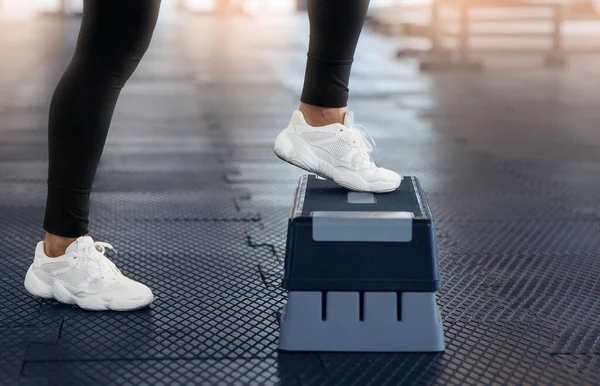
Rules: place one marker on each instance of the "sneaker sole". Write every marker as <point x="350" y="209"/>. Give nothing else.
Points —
<point x="305" y="159"/>
<point x="35" y="286"/>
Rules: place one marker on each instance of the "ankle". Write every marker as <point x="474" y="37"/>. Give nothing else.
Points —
<point x="322" y="116"/>
<point x="55" y="246"/>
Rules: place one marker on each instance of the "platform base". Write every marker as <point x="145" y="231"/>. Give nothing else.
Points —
<point x="347" y="321"/>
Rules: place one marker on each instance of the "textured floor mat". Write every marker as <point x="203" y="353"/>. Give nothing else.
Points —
<point x="174" y="327"/>
<point x="525" y="235"/>
<point x="133" y="372"/>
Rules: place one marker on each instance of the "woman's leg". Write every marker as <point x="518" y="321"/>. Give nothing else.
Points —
<point x="335" y="26"/>
<point x="321" y="137"/>
<point x="114" y="36"/>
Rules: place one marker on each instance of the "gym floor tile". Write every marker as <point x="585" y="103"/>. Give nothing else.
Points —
<point x="159" y="372"/>
<point x="172" y="328"/>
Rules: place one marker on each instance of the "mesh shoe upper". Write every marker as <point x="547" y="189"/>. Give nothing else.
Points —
<point x="85" y="267"/>
<point x="348" y="143"/>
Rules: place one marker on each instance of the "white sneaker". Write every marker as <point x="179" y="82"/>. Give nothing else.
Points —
<point x="337" y="152"/>
<point x="84" y="276"/>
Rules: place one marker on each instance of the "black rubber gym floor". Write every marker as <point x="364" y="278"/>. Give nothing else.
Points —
<point x="196" y="204"/>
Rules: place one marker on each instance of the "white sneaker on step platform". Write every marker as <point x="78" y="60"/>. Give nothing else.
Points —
<point x="86" y="277"/>
<point x="338" y="152"/>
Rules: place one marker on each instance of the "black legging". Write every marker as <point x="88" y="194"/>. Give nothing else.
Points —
<point x="113" y="37"/>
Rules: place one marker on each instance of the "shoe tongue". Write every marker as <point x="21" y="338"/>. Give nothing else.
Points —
<point x="80" y="243"/>
<point x="349" y="119"/>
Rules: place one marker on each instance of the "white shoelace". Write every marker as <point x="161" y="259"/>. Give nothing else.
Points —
<point x="107" y="268"/>
<point x="367" y="139"/>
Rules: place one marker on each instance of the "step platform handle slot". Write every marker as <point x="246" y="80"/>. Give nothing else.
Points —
<point x="362" y="226"/>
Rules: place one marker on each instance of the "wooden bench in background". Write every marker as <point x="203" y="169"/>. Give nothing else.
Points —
<point x="434" y="21"/>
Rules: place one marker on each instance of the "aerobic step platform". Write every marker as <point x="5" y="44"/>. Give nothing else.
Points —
<point x="361" y="271"/>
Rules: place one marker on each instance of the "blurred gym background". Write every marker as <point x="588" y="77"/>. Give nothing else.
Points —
<point x="437" y="27"/>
